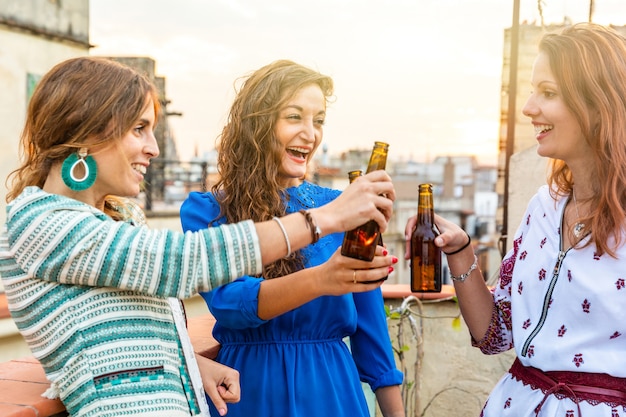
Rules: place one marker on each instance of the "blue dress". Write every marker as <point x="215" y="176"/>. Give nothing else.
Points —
<point x="297" y="364"/>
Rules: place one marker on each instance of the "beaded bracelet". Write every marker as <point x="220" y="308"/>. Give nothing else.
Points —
<point x="469" y="240"/>
<point x="463" y="277"/>
<point x="312" y="225"/>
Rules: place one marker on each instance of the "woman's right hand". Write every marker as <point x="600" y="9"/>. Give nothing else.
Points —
<point x="451" y="237"/>
<point x="369" y="197"/>
<point x="338" y="274"/>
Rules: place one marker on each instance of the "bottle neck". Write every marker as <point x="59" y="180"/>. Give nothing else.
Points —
<point x="353" y="175"/>
<point x="378" y="160"/>
<point x="425" y="212"/>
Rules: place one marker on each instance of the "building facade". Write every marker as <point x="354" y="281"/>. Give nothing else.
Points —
<point x="35" y="35"/>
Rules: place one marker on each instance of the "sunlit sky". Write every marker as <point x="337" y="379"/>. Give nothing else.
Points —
<point x="423" y="75"/>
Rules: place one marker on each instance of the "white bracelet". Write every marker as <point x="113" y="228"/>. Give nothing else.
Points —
<point x="463" y="277"/>
<point x="282" y="228"/>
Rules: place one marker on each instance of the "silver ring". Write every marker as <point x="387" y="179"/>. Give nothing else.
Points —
<point x="354" y="275"/>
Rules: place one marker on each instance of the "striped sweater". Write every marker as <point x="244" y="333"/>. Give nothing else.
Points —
<point x="88" y="295"/>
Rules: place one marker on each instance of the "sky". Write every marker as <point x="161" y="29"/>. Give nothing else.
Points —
<point x="422" y="75"/>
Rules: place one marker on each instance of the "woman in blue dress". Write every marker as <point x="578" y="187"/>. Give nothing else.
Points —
<point x="284" y="331"/>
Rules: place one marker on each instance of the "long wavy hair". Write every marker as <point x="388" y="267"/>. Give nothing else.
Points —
<point x="589" y="64"/>
<point x="82" y="99"/>
<point x="249" y="154"/>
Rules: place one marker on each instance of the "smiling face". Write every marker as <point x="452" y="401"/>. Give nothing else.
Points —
<point x="557" y="130"/>
<point x="299" y="127"/>
<point x="122" y="165"/>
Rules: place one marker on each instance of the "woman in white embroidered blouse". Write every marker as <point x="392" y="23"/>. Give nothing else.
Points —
<point x="560" y="298"/>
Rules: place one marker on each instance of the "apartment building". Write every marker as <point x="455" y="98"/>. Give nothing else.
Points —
<point x="35" y="35"/>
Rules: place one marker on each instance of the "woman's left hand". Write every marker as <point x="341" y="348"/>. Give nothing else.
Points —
<point x="342" y="275"/>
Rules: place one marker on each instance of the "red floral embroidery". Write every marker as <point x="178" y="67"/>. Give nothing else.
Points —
<point x="578" y="359"/>
<point x="615" y="335"/>
<point x="497" y="338"/>
<point x="543" y="242"/>
<point x="520" y="287"/>
<point x="526" y="324"/>
<point x="596" y="257"/>
<point x="522" y="256"/>
<point x="495" y="341"/>
<point x="562" y="331"/>
<point x="507" y="403"/>
<point x="586" y="306"/>
<point x="614" y="413"/>
<point x="531" y="351"/>
<point x="542" y="274"/>
<point x="527" y="220"/>
<point x="569" y="413"/>
<point x="569" y="275"/>
<point x="620" y="283"/>
<point x="506" y="269"/>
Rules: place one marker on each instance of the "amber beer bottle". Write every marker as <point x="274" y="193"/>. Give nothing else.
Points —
<point x="352" y="235"/>
<point x="425" y="256"/>
<point x="352" y="175"/>
<point x="360" y="243"/>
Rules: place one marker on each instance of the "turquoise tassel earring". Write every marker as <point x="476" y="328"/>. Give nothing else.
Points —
<point x="89" y="168"/>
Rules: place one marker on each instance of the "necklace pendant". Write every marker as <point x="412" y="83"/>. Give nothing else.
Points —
<point x="578" y="229"/>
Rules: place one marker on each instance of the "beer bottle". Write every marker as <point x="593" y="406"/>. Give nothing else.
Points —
<point x="360" y="243"/>
<point x="352" y="175"/>
<point x="425" y="256"/>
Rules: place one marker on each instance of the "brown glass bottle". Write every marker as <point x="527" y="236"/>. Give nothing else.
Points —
<point x="425" y="256"/>
<point x="360" y="243"/>
<point x="353" y="175"/>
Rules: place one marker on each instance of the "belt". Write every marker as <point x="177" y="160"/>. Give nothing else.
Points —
<point x="577" y="386"/>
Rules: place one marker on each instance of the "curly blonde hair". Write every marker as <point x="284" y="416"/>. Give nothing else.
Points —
<point x="249" y="153"/>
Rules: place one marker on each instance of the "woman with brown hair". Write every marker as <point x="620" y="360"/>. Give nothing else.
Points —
<point x="560" y="298"/>
<point x="284" y="329"/>
<point x="92" y="290"/>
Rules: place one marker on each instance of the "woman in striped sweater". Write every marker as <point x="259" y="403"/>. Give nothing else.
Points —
<point x="92" y="290"/>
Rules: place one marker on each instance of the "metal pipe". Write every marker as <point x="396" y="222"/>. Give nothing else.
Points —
<point x="510" y="129"/>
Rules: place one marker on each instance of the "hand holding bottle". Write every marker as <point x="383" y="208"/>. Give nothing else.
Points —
<point x="451" y="236"/>
<point x="370" y="197"/>
<point x="360" y="243"/>
<point x="341" y="275"/>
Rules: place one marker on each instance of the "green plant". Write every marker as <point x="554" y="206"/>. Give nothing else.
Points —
<point x="411" y="384"/>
